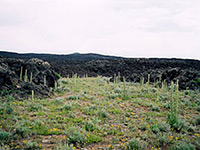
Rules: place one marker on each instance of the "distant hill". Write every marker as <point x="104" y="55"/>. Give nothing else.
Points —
<point x="55" y="57"/>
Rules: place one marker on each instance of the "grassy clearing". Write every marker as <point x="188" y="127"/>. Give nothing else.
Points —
<point x="93" y="113"/>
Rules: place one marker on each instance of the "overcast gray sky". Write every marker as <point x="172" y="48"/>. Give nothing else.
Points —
<point x="130" y="28"/>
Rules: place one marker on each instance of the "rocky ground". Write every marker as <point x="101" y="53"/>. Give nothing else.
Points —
<point x="21" y="87"/>
<point x="186" y="71"/>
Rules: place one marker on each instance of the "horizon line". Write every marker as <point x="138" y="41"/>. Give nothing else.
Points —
<point x="60" y="54"/>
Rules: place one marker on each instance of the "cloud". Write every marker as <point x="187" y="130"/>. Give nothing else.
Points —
<point x="115" y="27"/>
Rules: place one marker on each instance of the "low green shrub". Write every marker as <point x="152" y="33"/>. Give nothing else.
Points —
<point x="112" y="96"/>
<point x="155" y="128"/>
<point x="89" y="125"/>
<point x="163" y="140"/>
<point x="166" y="105"/>
<point x="178" y="125"/>
<point x="182" y="145"/>
<point x="88" y="111"/>
<point x="143" y="127"/>
<point x="64" y="81"/>
<point x="198" y="108"/>
<point x="102" y="114"/>
<point x="162" y="98"/>
<point x="59" y="100"/>
<point x="43" y="130"/>
<point x="191" y="128"/>
<point x="67" y="107"/>
<point x="34" y="107"/>
<point x="127" y="114"/>
<point x="9" y="98"/>
<point x="133" y="144"/>
<point x="64" y="146"/>
<point x="198" y="81"/>
<point x="155" y="108"/>
<point x="74" y="97"/>
<point x="23" y="131"/>
<point x="92" y="107"/>
<point x="75" y="135"/>
<point x="1" y="110"/>
<point x="118" y="90"/>
<point x="154" y="90"/>
<point x="198" y="121"/>
<point x="115" y="111"/>
<point x="5" y="136"/>
<point x="163" y="127"/>
<point x="6" y="109"/>
<point x="92" y="138"/>
<point x="9" y="110"/>
<point x="31" y="145"/>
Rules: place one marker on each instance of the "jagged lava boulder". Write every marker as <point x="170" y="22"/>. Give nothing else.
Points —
<point x="10" y="82"/>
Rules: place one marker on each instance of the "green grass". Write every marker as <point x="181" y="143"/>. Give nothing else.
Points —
<point x="92" y="113"/>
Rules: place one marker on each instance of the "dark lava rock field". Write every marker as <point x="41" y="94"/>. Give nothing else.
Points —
<point x="187" y="71"/>
<point x="32" y="72"/>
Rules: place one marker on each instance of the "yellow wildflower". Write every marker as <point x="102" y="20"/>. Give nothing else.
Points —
<point x="24" y="141"/>
<point x="17" y="147"/>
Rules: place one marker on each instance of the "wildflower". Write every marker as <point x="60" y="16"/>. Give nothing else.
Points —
<point x="24" y="141"/>
<point x="17" y="147"/>
<point x="171" y="137"/>
<point x="6" y="146"/>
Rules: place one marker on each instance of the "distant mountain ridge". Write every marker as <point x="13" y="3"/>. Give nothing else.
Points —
<point x="88" y="56"/>
<point x="75" y="56"/>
